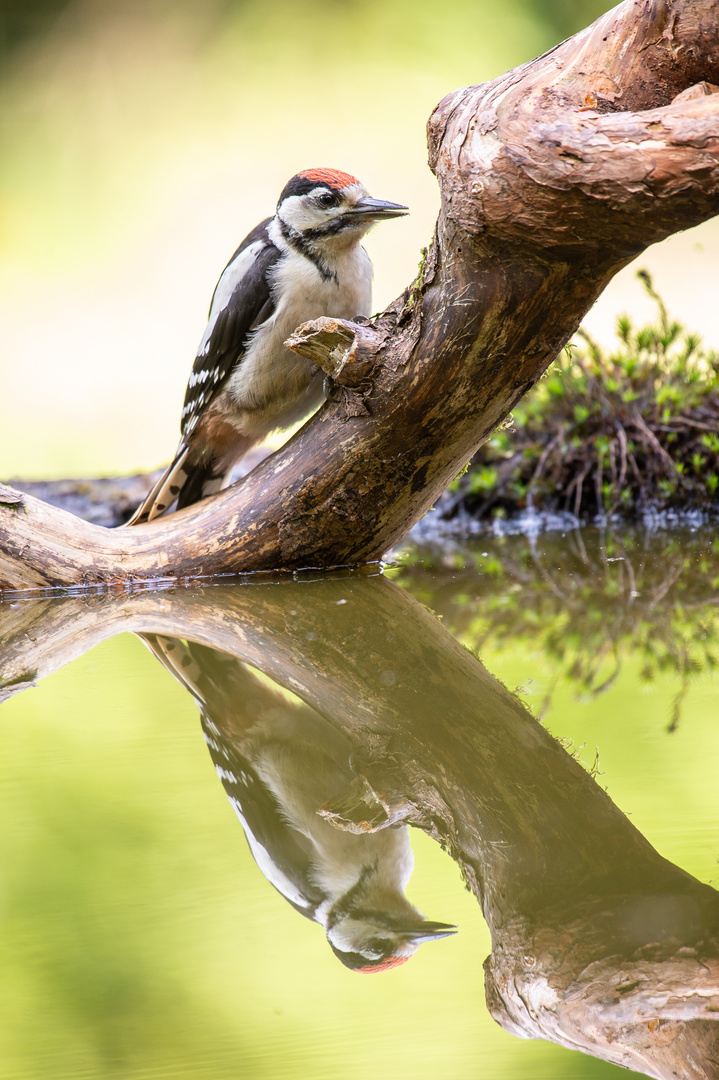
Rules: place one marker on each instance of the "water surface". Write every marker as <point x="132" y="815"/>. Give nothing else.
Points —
<point x="141" y="938"/>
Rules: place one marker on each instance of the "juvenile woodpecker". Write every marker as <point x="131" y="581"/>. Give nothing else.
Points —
<point x="279" y="763"/>
<point x="305" y="262"/>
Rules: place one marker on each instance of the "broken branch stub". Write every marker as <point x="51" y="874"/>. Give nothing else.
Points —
<point x="342" y="349"/>
<point x="346" y="352"/>
<point x="553" y="177"/>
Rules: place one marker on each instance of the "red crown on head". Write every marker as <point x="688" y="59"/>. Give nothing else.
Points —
<point x="332" y="177"/>
<point x="391" y="961"/>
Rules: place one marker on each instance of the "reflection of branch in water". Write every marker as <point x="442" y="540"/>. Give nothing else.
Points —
<point x="589" y="603"/>
<point x="279" y="763"/>
<point x="598" y="943"/>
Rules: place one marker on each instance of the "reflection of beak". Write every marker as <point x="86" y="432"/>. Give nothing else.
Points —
<point x="377" y="209"/>
<point x="429" y="931"/>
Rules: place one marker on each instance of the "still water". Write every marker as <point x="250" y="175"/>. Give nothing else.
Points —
<point x="535" y="719"/>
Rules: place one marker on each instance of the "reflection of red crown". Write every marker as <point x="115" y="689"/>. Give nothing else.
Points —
<point x="332" y="177"/>
<point x="391" y="961"/>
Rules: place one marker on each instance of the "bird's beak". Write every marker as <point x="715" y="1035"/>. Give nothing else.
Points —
<point x="377" y="209"/>
<point x="430" y="931"/>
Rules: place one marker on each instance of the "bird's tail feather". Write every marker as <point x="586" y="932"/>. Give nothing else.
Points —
<point x="213" y="471"/>
<point x="218" y="681"/>
<point x="207" y="477"/>
<point x="189" y="482"/>
<point x="165" y="491"/>
<point x="176" y="656"/>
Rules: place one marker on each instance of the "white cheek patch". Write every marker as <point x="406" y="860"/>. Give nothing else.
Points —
<point x="301" y="212"/>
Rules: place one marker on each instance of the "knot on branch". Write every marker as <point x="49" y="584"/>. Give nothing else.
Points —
<point x="696" y="92"/>
<point x="360" y="808"/>
<point x="10" y="498"/>
<point x="346" y="352"/>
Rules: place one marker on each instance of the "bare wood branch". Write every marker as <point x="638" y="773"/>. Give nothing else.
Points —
<point x="553" y="177"/>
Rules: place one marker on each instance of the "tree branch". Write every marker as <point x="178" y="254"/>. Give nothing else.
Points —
<point x="553" y="177"/>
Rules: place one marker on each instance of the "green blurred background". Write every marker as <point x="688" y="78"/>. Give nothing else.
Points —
<point x="139" y="939"/>
<point x="140" y="141"/>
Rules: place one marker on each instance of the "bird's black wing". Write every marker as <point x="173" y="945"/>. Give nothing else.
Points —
<point x="242" y="300"/>
<point x="282" y="853"/>
<point x="223" y="688"/>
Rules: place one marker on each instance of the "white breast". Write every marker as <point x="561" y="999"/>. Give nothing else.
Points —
<point x="272" y="387"/>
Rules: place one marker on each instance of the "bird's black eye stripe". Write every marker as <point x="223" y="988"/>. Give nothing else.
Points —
<point x="381" y="946"/>
<point x="327" y="198"/>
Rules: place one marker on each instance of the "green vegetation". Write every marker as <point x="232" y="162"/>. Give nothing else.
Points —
<point x="609" y="432"/>
<point x="589" y="603"/>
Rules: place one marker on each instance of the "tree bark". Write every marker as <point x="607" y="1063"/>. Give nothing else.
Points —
<point x="553" y="177"/>
<point x="598" y="942"/>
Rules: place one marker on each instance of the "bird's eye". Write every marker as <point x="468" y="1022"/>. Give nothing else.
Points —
<point x="378" y="947"/>
<point x="327" y="199"/>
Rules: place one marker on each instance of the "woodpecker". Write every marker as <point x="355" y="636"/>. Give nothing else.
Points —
<point x="279" y="763"/>
<point x="305" y="262"/>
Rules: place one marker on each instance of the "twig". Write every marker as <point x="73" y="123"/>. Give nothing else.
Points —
<point x="653" y="441"/>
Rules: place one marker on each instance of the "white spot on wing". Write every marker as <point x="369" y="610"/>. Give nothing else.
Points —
<point x="200" y="377"/>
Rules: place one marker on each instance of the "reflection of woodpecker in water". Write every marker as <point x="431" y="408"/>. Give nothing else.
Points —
<point x="279" y="763"/>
